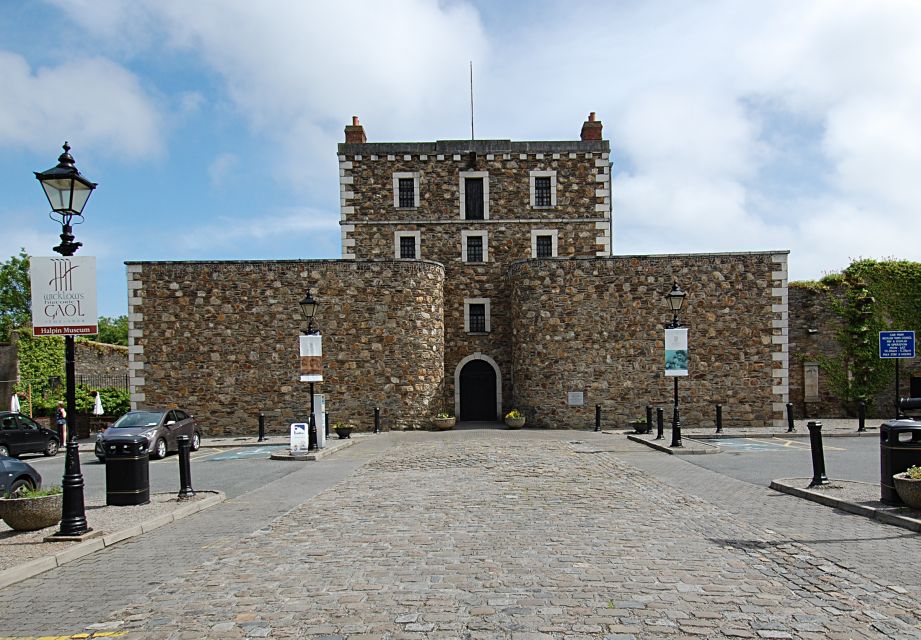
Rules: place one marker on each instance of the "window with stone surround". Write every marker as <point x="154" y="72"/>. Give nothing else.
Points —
<point x="543" y="189"/>
<point x="406" y="245"/>
<point x="476" y="315"/>
<point x="474" y="246"/>
<point x="406" y="189"/>
<point x="544" y="243"/>
<point x="474" y="195"/>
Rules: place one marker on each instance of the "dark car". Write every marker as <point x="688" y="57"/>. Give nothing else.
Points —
<point x="20" y="434"/>
<point x="162" y="429"/>
<point x="16" y="475"/>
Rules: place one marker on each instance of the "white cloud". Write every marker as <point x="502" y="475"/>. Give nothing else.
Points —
<point x="88" y="101"/>
<point x="229" y="231"/>
<point x="222" y="165"/>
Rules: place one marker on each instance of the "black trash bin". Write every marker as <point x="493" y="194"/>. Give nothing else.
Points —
<point x="127" y="471"/>
<point x="899" y="448"/>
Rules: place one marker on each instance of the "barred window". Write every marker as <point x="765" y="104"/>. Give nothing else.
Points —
<point x="474" y="248"/>
<point x="544" y="246"/>
<point x="477" y="318"/>
<point x="473" y="199"/>
<point x="407" y="193"/>
<point x="542" y="191"/>
<point x="407" y="247"/>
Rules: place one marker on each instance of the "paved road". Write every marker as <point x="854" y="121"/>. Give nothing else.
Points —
<point x="760" y="460"/>
<point x="523" y="535"/>
<point x="233" y="471"/>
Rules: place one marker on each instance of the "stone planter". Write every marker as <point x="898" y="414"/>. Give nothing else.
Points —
<point x="909" y="490"/>
<point x="443" y="424"/>
<point x="514" y="423"/>
<point x="30" y="514"/>
<point x="344" y="432"/>
<point x="640" y="427"/>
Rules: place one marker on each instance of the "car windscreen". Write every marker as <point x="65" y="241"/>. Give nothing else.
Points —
<point x="138" y="419"/>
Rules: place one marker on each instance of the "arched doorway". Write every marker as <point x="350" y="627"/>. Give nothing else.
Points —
<point x="477" y="384"/>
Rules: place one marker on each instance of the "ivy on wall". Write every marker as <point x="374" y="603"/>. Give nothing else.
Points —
<point x="869" y="296"/>
<point x="41" y="371"/>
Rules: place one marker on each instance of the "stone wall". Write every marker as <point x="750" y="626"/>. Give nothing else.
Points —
<point x="814" y="328"/>
<point x="98" y="359"/>
<point x="596" y="326"/>
<point x="221" y="339"/>
<point x="579" y="216"/>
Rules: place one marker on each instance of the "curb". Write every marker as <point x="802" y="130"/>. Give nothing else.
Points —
<point x="698" y="448"/>
<point x="330" y="449"/>
<point x="81" y="549"/>
<point x="885" y="515"/>
<point x="784" y="434"/>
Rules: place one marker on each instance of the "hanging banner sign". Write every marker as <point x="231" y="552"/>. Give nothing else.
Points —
<point x="312" y="358"/>
<point x="676" y="352"/>
<point x="63" y="296"/>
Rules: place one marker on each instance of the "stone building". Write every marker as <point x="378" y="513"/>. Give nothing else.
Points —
<point x="476" y="276"/>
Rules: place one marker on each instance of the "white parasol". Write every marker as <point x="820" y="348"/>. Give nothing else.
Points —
<point x="97" y="406"/>
<point x="14" y="404"/>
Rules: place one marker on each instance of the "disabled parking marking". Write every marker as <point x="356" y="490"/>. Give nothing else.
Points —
<point x="745" y="445"/>
<point x="246" y="452"/>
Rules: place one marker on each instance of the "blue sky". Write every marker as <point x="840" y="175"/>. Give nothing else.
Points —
<point x="211" y="126"/>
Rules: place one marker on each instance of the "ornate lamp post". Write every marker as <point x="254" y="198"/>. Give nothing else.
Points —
<point x="675" y="299"/>
<point x="67" y="192"/>
<point x="308" y="311"/>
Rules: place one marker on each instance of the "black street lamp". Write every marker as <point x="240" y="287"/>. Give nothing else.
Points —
<point x="675" y="299"/>
<point x="309" y="310"/>
<point x="67" y="192"/>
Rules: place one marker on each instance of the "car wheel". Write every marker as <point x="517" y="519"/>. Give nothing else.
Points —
<point x="4" y="450"/>
<point x="160" y="449"/>
<point x="196" y="441"/>
<point x="21" y="485"/>
<point x="51" y="449"/>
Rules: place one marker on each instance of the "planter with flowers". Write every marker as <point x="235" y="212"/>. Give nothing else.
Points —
<point x="32" y="509"/>
<point x="514" y="419"/>
<point x="444" y="421"/>
<point x="908" y="486"/>
<point x="343" y="430"/>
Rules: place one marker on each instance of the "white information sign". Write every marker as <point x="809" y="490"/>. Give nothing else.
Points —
<point x="575" y="398"/>
<point x="676" y="352"/>
<point x="299" y="436"/>
<point x="63" y="296"/>
<point x="312" y="358"/>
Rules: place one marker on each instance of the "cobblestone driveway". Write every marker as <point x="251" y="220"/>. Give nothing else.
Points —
<point x="497" y="535"/>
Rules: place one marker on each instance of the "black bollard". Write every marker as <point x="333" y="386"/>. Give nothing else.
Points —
<point x="648" y="419"/>
<point x="790" y="427"/>
<point x="377" y="419"/>
<point x="326" y="420"/>
<point x="185" y="468"/>
<point x="597" y="417"/>
<point x="861" y="416"/>
<point x="719" y="418"/>
<point x="312" y="444"/>
<point x="261" y="427"/>
<point x="818" y="456"/>
<point x="660" y="423"/>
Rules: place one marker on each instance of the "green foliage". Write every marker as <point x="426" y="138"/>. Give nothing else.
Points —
<point x="869" y="296"/>
<point x="913" y="472"/>
<point x="15" y="295"/>
<point x="35" y="493"/>
<point x="514" y="414"/>
<point x="113" y="330"/>
<point x="444" y="415"/>
<point x="40" y="360"/>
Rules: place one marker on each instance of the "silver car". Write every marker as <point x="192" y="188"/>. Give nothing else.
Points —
<point x="162" y="429"/>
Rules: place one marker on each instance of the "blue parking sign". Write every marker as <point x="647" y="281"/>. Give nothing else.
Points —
<point x="896" y="344"/>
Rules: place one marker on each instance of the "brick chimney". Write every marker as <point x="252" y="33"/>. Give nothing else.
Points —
<point x="591" y="128"/>
<point x="355" y="133"/>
